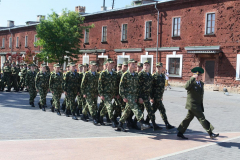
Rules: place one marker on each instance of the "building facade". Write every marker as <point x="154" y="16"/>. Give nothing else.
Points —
<point x="181" y="34"/>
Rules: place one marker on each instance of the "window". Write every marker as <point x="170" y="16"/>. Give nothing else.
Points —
<point x="10" y="42"/>
<point x="122" y="58"/>
<point x="124" y="32"/>
<point x="86" y="40"/>
<point x="104" y="34"/>
<point x="85" y="59"/>
<point x="17" y="39"/>
<point x="210" y="23"/>
<point x="26" y="41"/>
<point x="35" y="40"/>
<point x="148" y="30"/>
<point x="238" y="67"/>
<point x="174" y="65"/>
<point x="176" y="27"/>
<point x="3" y="43"/>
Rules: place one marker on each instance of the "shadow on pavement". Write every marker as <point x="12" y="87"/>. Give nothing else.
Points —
<point x="229" y="144"/>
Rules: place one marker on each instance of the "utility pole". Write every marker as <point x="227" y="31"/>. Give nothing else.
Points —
<point x="113" y="4"/>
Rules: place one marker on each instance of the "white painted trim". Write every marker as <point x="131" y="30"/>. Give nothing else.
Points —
<point x="206" y="22"/>
<point x="85" y="56"/>
<point x="3" y="59"/>
<point x="180" y="65"/>
<point x="238" y="68"/>
<point x="122" y="56"/>
<point x="103" y="56"/>
<point x="148" y="56"/>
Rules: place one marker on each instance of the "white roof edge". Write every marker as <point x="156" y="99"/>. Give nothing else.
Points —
<point x="163" y="49"/>
<point x="16" y="27"/>
<point x="201" y="48"/>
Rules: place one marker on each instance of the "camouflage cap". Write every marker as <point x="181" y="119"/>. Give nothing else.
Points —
<point x="93" y="63"/>
<point x="119" y="65"/>
<point x="56" y="65"/>
<point x="80" y="65"/>
<point x="125" y="63"/>
<point x="132" y="61"/>
<point x="68" y="65"/>
<point x="140" y="64"/>
<point x="147" y="61"/>
<point x="159" y="64"/>
<point x="85" y="64"/>
<point x="72" y="64"/>
<point x="109" y="60"/>
<point x="42" y="65"/>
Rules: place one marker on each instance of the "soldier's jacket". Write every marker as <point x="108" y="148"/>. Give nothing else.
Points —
<point x="56" y="81"/>
<point x="81" y="74"/>
<point x="145" y="83"/>
<point x="71" y="82"/>
<point x="23" y="72"/>
<point x="36" y="70"/>
<point x="107" y="83"/>
<point x="19" y="70"/>
<point x="158" y="86"/>
<point x="194" y="95"/>
<point x="14" y="71"/>
<point x="42" y="80"/>
<point x="6" y="71"/>
<point x="30" y="79"/>
<point x="90" y="83"/>
<point x="129" y="85"/>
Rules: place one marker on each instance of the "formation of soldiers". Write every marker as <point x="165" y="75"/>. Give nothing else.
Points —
<point x="124" y="93"/>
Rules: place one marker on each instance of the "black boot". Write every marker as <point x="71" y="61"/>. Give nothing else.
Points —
<point x="63" y="107"/>
<point x="39" y="105"/>
<point x="101" y="120"/>
<point x="212" y="135"/>
<point x="84" y="118"/>
<point x="108" y="120"/>
<point x="43" y="108"/>
<point x="168" y="126"/>
<point x="74" y="117"/>
<point x="77" y="110"/>
<point x="129" y="124"/>
<point x="51" y="101"/>
<point x="114" y="125"/>
<point x="67" y="112"/>
<point x="95" y="121"/>
<point x="58" y="112"/>
<point x="180" y="135"/>
<point x="135" y="126"/>
<point x="52" y="109"/>
<point x="80" y="111"/>
<point x="147" y="121"/>
<point x="115" y="119"/>
<point x="155" y="126"/>
<point x="32" y="104"/>
<point x="143" y="125"/>
<point x="120" y="127"/>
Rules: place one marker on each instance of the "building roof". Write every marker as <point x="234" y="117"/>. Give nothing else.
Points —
<point x="16" y="27"/>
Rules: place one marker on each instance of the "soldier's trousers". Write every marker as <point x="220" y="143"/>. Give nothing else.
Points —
<point x="100" y="107"/>
<point x="117" y="108"/>
<point x="91" y="106"/>
<point x="32" y="93"/>
<point x="131" y="105"/>
<point x="149" y="108"/>
<point x="201" y="118"/>
<point x="70" y="101"/>
<point x="6" y="80"/>
<point x="56" y="98"/>
<point x="158" y="105"/>
<point x="108" y="107"/>
<point x="43" y="94"/>
<point x="14" y="81"/>
<point x="79" y="101"/>
<point x="22" y="82"/>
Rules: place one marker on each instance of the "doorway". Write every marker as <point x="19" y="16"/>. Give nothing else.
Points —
<point x="209" y="72"/>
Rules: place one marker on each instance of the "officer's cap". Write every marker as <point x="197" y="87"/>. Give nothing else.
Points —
<point x="147" y="61"/>
<point x="140" y="65"/>
<point x="56" y="65"/>
<point x="93" y="63"/>
<point x="80" y="65"/>
<point x="159" y="64"/>
<point x="109" y="60"/>
<point x="72" y="64"/>
<point x="197" y="70"/>
<point x="125" y="63"/>
<point x="119" y="65"/>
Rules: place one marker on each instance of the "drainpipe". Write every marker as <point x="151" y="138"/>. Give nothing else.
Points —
<point x="11" y="40"/>
<point x="157" y="32"/>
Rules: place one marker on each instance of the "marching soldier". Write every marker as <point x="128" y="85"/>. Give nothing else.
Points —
<point x="18" y="77"/>
<point x="139" y="67"/>
<point x="14" y="76"/>
<point x="80" y="96"/>
<point x="30" y="84"/>
<point x="157" y="95"/>
<point x="22" y="77"/>
<point x="194" y="105"/>
<point x="108" y="89"/>
<point x="6" y="80"/>
<point x="65" y="99"/>
<point x="129" y="90"/>
<point x="71" y="89"/>
<point x="89" y="88"/>
<point x="42" y="86"/>
<point x="55" y="86"/>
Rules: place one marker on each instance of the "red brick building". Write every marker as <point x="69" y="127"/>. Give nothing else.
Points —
<point x="189" y="33"/>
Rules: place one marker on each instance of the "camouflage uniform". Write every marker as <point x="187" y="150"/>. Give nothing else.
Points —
<point x="55" y="85"/>
<point x="71" y="85"/>
<point x="42" y="85"/>
<point x="89" y="88"/>
<point x="107" y="87"/>
<point x="80" y="96"/>
<point x="30" y="82"/>
<point x="22" y="78"/>
<point x="14" y="77"/>
<point x="6" y="80"/>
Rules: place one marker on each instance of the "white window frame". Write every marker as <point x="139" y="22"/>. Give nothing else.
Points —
<point x="17" y="42"/>
<point x="83" y="59"/>
<point x="10" y="42"/>
<point x="126" y="30"/>
<point x="238" y="68"/>
<point x="103" y="34"/>
<point x="26" y="41"/>
<point x="206" y="21"/>
<point x="3" y="43"/>
<point x="121" y="57"/>
<point x="174" y="55"/>
<point x="86" y="38"/>
<point x="145" y="57"/>
<point x="173" y="25"/>
<point x="146" y="30"/>
<point x="65" y="64"/>
<point x="35" y="40"/>
<point x="3" y="59"/>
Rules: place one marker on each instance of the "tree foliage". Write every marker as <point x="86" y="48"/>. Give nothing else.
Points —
<point x="60" y="36"/>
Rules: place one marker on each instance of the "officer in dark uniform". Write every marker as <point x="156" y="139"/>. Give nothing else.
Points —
<point x="195" y="91"/>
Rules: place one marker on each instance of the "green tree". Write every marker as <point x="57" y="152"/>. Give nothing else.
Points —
<point x="60" y="36"/>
